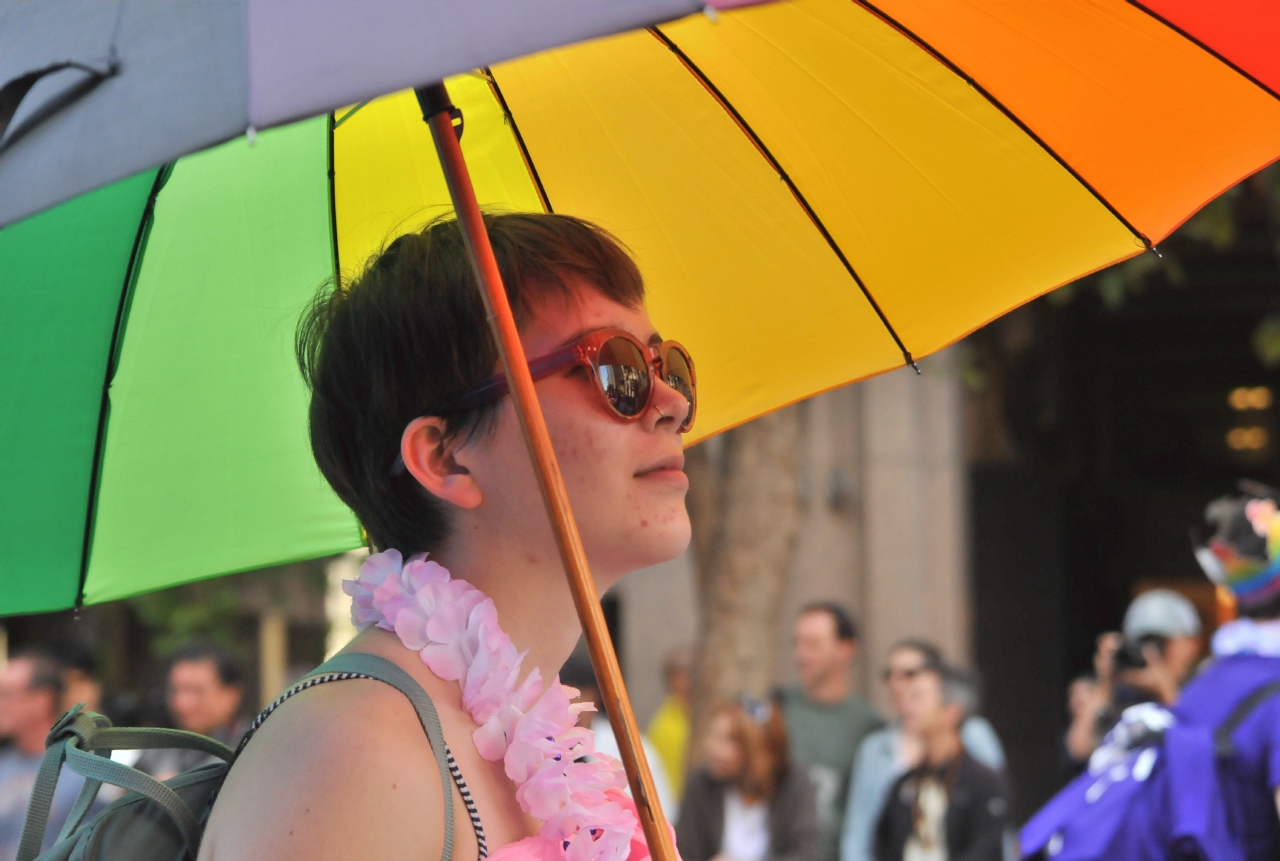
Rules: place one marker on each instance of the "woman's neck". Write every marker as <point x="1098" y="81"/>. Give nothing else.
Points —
<point x="529" y="590"/>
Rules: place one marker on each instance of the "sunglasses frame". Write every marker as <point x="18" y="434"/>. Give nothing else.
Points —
<point x="586" y="351"/>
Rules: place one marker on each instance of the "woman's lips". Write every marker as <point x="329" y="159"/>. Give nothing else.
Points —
<point x="669" y="470"/>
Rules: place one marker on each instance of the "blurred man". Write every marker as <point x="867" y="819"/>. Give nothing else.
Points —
<point x="887" y="754"/>
<point x="669" y="729"/>
<point x="950" y="806"/>
<point x="826" y="720"/>
<point x="30" y="702"/>
<point x="204" y="694"/>
<point x="577" y="672"/>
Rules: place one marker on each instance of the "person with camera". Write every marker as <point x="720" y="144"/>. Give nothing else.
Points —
<point x="1199" y="778"/>
<point x="1152" y="659"/>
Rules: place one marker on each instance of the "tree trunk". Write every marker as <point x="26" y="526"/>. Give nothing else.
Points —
<point x="745" y="507"/>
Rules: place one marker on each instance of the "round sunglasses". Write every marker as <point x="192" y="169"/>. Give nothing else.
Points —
<point x="622" y="370"/>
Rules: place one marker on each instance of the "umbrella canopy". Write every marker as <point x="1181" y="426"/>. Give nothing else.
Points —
<point x="94" y="90"/>
<point x="813" y="190"/>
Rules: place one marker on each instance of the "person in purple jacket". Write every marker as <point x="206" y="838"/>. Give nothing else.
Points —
<point x="1200" y="778"/>
<point x="1244" y="557"/>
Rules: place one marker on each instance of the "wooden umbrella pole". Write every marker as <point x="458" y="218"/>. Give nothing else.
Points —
<point x="437" y="111"/>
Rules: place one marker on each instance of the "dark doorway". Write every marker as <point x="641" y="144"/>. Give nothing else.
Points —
<point x="1101" y="420"/>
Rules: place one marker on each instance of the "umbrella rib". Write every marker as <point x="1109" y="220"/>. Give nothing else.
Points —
<point x="113" y="355"/>
<point x="1204" y="47"/>
<point x="1000" y="106"/>
<point x="333" y="198"/>
<point x="515" y="130"/>
<point x="786" y="178"/>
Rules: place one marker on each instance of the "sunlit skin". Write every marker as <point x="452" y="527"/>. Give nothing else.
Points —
<point x="345" y="771"/>
<point x="823" y="660"/>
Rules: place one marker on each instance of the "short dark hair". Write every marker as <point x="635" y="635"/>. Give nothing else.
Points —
<point x="226" y="666"/>
<point x="846" y="630"/>
<point x="46" y="671"/>
<point x="74" y="654"/>
<point x="932" y="654"/>
<point x="408" y="335"/>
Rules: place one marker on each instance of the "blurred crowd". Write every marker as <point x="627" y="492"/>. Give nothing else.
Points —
<point x="204" y="693"/>
<point x="815" y="773"/>
<point x="811" y="773"/>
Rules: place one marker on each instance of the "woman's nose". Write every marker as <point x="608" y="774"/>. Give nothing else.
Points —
<point x="668" y="403"/>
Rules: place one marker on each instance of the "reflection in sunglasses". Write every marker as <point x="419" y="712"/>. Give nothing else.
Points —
<point x="625" y="387"/>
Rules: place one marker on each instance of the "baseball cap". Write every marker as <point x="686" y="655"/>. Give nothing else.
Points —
<point x="1162" y="613"/>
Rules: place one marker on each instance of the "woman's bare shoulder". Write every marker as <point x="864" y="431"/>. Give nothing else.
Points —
<point x="341" y="770"/>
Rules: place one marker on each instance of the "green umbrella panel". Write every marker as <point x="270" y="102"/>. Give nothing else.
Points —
<point x="181" y="288"/>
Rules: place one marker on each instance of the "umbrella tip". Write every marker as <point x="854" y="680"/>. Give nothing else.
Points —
<point x="911" y="362"/>
<point x="712" y="13"/>
<point x="251" y="135"/>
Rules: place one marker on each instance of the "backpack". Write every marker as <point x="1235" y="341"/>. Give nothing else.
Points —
<point x="164" y="821"/>
<point x="1156" y="798"/>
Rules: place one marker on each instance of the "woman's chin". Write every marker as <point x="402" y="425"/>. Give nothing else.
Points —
<point x="663" y="541"/>
<point x="651" y="544"/>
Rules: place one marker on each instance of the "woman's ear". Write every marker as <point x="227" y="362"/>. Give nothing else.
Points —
<point x="429" y="457"/>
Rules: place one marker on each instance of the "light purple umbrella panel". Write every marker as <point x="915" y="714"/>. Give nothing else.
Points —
<point x="92" y="91"/>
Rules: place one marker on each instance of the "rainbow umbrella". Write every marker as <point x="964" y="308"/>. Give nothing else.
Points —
<point x="816" y="191"/>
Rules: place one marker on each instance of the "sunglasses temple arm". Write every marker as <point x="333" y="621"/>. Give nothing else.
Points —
<point x="497" y="385"/>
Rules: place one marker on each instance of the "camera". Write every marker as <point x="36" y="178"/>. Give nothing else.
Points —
<point x="1131" y="654"/>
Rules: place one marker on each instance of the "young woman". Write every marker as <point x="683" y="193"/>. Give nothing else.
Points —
<point x="411" y="426"/>
<point x="747" y="803"/>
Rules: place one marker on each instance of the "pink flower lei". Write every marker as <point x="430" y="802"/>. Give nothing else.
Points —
<point x="585" y="812"/>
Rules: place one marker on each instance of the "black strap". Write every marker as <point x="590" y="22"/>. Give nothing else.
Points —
<point x="1223" y="746"/>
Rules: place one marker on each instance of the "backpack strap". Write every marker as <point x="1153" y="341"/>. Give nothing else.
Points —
<point x="41" y="800"/>
<point x="361" y="665"/>
<point x="75" y="734"/>
<point x="1223" y="746"/>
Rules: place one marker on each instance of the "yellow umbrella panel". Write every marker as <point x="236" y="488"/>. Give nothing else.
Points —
<point x="815" y="189"/>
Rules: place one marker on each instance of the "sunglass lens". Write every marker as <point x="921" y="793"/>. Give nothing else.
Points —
<point x="677" y="373"/>
<point x="624" y="376"/>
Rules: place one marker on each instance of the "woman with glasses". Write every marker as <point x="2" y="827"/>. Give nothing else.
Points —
<point x="465" y="592"/>
<point x="887" y="754"/>
<point x="747" y="802"/>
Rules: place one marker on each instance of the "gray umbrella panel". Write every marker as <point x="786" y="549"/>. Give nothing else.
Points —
<point x="149" y="81"/>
